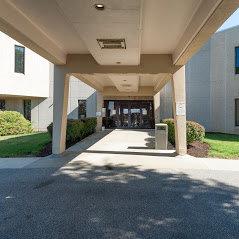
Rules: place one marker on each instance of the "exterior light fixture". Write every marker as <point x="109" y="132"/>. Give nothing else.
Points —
<point x="99" y="6"/>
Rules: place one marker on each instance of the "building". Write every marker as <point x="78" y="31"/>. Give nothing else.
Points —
<point x="126" y="50"/>
<point x="29" y="86"/>
<point x="24" y="78"/>
<point x="29" y="90"/>
<point x="212" y="89"/>
<point x="212" y="84"/>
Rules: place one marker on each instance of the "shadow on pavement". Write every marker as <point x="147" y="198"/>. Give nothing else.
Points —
<point x="118" y="202"/>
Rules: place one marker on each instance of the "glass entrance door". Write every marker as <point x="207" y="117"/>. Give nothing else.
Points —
<point x="135" y="118"/>
<point x="129" y="114"/>
<point x="125" y="122"/>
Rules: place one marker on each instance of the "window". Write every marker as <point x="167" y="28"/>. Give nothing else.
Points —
<point x="2" y="105"/>
<point x="237" y="112"/>
<point x="27" y="109"/>
<point x="19" y="59"/>
<point x="81" y="109"/>
<point x="237" y="60"/>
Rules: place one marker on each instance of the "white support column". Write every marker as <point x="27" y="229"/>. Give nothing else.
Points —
<point x="60" y="103"/>
<point x="157" y="108"/>
<point x="99" y="105"/>
<point x="179" y="110"/>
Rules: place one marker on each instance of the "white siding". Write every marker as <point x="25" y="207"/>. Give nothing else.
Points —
<point x="42" y="113"/>
<point x="211" y="84"/>
<point x="35" y="81"/>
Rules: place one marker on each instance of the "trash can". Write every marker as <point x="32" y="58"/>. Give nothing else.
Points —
<point x="161" y="136"/>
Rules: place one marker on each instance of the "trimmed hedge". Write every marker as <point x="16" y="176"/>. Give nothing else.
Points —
<point x="171" y="132"/>
<point x="13" y="123"/>
<point x="195" y="131"/>
<point x="77" y="129"/>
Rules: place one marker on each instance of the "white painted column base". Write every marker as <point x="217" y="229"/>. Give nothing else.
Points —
<point x="60" y="104"/>
<point x="179" y="110"/>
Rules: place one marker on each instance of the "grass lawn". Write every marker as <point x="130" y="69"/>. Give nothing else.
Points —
<point x="223" y="145"/>
<point x="23" y="145"/>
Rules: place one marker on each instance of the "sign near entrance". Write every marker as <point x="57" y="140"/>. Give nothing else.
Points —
<point x="180" y="108"/>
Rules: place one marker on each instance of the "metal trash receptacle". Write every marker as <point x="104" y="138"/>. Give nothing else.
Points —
<point x="161" y="136"/>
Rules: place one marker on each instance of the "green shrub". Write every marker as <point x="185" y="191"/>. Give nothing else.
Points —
<point x="77" y="129"/>
<point x="13" y="123"/>
<point x="195" y="131"/>
<point x="171" y="132"/>
<point x="90" y="125"/>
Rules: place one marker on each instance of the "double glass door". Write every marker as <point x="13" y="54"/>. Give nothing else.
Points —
<point x="129" y="114"/>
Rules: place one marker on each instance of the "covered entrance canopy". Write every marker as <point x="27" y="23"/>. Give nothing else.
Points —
<point x="121" y="48"/>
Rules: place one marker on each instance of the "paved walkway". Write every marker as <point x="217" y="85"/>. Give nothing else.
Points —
<point x="16" y="162"/>
<point x="136" y="148"/>
<point x="114" y="185"/>
<point x="128" y="147"/>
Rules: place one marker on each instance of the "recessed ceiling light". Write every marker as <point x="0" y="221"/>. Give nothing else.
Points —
<point x="99" y="6"/>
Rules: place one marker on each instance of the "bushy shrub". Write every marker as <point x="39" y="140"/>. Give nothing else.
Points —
<point x="90" y="125"/>
<point x="195" y="131"/>
<point x="77" y="129"/>
<point x="171" y="132"/>
<point x="13" y="123"/>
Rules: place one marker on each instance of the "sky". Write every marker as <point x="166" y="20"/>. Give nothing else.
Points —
<point x="231" y="21"/>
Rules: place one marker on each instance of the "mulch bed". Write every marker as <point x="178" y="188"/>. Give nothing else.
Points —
<point x="45" y="151"/>
<point x="198" y="149"/>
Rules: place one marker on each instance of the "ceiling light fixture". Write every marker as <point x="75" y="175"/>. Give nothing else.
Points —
<point x="99" y="6"/>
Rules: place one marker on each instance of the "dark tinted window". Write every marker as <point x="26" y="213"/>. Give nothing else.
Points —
<point x="2" y="105"/>
<point x="237" y="112"/>
<point x="237" y="60"/>
<point x="19" y="59"/>
<point x="81" y="109"/>
<point x="27" y="109"/>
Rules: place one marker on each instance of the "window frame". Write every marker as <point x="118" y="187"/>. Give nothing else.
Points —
<point x="23" y="67"/>
<point x="236" y="112"/>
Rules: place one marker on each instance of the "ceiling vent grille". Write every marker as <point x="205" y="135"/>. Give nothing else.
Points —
<point x="112" y="43"/>
<point x="126" y="85"/>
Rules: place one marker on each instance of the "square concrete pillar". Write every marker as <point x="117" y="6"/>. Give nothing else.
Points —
<point x="157" y="108"/>
<point x="60" y="103"/>
<point x="179" y="110"/>
<point x="99" y="106"/>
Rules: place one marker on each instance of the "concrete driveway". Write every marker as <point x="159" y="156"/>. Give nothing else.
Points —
<point x="94" y="191"/>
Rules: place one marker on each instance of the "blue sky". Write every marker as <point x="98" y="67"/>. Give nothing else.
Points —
<point x="231" y="21"/>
